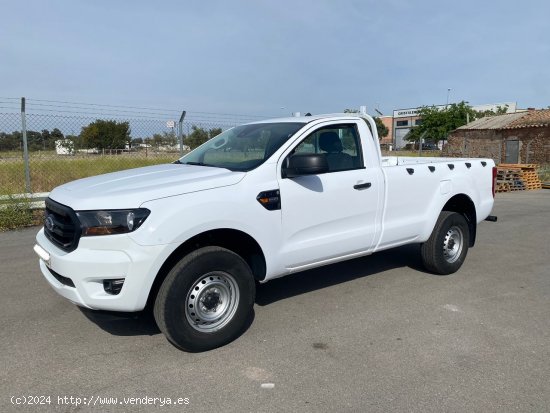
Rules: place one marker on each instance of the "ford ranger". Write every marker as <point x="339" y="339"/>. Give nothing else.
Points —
<point x="256" y="202"/>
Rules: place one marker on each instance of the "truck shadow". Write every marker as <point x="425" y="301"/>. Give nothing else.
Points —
<point x="143" y="323"/>
<point x="322" y="277"/>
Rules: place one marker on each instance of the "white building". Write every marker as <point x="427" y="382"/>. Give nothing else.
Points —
<point x="405" y="119"/>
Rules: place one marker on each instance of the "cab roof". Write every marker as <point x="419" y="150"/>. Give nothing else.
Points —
<point x="308" y="119"/>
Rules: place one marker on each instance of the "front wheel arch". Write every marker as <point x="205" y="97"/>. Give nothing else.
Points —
<point x="206" y="300"/>
<point x="234" y="240"/>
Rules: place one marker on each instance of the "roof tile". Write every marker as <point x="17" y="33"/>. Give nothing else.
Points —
<point x="531" y="118"/>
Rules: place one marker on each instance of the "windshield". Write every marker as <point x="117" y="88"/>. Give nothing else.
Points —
<point x="242" y="148"/>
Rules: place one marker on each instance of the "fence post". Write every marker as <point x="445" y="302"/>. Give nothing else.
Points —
<point x="182" y="117"/>
<point x="25" y="147"/>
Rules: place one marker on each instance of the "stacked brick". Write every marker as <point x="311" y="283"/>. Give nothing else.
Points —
<point x="517" y="177"/>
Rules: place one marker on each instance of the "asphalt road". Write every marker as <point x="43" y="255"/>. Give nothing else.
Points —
<point x="376" y="334"/>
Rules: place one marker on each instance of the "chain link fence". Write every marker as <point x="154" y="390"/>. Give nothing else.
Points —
<point x="46" y="143"/>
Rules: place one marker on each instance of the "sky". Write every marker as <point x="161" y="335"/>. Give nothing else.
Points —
<point x="271" y="58"/>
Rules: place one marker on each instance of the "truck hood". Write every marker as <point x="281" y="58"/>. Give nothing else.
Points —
<point x="133" y="187"/>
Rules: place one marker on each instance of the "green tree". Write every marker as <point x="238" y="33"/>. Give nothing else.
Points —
<point x="162" y="139"/>
<point x="106" y="134"/>
<point x="56" y="134"/>
<point x="157" y="140"/>
<point x="500" y="110"/>
<point x="10" y="141"/>
<point x="380" y="127"/>
<point x="49" y="138"/>
<point x="214" y="132"/>
<point x="437" y="123"/>
<point x="72" y="141"/>
<point x="35" y="141"/>
<point x="169" y="139"/>
<point x="199" y="135"/>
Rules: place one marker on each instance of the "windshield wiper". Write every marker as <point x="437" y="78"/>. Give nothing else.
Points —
<point x="177" y="161"/>
<point x="199" y="164"/>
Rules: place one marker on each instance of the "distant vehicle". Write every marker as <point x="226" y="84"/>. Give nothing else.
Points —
<point x="430" y="146"/>
<point x="64" y="147"/>
<point x="194" y="237"/>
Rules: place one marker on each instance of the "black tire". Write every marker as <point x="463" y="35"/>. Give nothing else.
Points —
<point x="206" y="299"/>
<point x="446" y="249"/>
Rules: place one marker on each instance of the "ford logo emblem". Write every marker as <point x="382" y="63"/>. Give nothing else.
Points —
<point x="49" y="224"/>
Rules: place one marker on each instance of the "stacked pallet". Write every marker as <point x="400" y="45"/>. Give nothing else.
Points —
<point x="517" y="177"/>
<point x="502" y="186"/>
<point x="509" y="179"/>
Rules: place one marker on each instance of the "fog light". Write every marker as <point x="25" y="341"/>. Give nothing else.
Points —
<point x="113" y="286"/>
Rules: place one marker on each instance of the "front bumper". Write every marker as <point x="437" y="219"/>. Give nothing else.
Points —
<point x="97" y="259"/>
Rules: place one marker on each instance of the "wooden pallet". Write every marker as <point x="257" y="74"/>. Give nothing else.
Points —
<point x="519" y="165"/>
<point x="519" y="176"/>
<point x="502" y="187"/>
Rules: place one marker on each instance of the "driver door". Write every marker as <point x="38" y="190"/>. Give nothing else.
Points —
<point x="329" y="215"/>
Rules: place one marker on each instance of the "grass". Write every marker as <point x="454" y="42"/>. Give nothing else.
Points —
<point x="18" y="213"/>
<point x="48" y="172"/>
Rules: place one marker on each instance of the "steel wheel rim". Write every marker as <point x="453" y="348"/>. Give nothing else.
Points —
<point x="212" y="301"/>
<point x="453" y="244"/>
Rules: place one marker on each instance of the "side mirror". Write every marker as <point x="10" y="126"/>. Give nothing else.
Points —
<point x="301" y="164"/>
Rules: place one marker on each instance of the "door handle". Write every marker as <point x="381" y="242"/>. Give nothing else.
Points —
<point x="362" y="186"/>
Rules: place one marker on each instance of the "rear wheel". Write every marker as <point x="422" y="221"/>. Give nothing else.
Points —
<point x="205" y="300"/>
<point x="446" y="249"/>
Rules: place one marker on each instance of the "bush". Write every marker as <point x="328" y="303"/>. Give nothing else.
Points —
<point x="18" y="213"/>
<point x="544" y="172"/>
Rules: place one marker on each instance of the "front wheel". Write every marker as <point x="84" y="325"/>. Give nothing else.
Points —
<point x="205" y="300"/>
<point x="446" y="249"/>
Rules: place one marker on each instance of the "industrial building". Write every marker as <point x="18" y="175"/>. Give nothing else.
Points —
<point x="403" y="120"/>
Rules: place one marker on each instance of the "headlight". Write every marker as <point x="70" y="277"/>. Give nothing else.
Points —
<point x="120" y="221"/>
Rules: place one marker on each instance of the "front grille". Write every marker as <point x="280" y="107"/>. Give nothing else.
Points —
<point x="63" y="280"/>
<point x="61" y="226"/>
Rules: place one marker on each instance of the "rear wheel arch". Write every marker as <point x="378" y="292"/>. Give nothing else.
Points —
<point x="464" y="205"/>
<point x="445" y="251"/>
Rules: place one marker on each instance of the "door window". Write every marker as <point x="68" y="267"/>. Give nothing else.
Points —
<point x="340" y="144"/>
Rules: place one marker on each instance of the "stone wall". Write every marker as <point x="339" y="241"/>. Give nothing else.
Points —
<point x="534" y="144"/>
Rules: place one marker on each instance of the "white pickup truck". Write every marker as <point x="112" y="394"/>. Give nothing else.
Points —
<point x="256" y="202"/>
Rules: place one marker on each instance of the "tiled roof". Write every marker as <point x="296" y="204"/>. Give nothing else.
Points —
<point x="494" y="122"/>
<point x="532" y="118"/>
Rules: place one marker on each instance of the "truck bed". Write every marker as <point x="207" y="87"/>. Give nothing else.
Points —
<point x="414" y="160"/>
